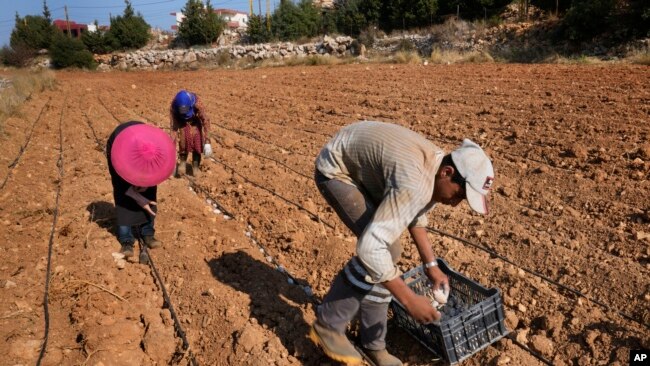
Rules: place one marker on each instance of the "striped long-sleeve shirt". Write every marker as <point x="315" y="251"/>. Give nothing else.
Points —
<point x="397" y="168"/>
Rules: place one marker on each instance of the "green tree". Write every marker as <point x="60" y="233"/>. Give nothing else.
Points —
<point x="586" y="18"/>
<point x="472" y="9"/>
<point x="70" y="52"/>
<point x="99" y="42"/>
<point x="256" y="30"/>
<point x="291" y="21"/>
<point x="552" y="5"/>
<point x="46" y="12"/>
<point x="201" y="25"/>
<point x="129" y="30"/>
<point x="637" y="18"/>
<point x="353" y="16"/>
<point x="33" y="31"/>
<point x="214" y="23"/>
<point x="405" y="14"/>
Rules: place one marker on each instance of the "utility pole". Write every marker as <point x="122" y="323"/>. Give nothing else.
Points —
<point x="259" y="6"/>
<point x="268" y="15"/>
<point x="67" y="21"/>
<point x="250" y="4"/>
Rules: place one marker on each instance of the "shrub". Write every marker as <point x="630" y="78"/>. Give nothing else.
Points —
<point x="99" y="42"/>
<point x="640" y="57"/>
<point x="223" y="58"/>
<point x="453" y="57"/>
<point x="368" y="36"/>
<point x="587" y="18"/>
<point x="312" y="60"/>
<point x="406" y="45"/>
<point x="129" y="30"/>
<point x="70" y="52"/>
<point x="407" y="57"/>
<point x="23" y="85"/>
<point x="18" y="56"/>
<point x="257" y="31"/>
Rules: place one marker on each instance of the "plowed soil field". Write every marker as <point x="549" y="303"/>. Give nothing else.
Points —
<point x="568" y="233"/>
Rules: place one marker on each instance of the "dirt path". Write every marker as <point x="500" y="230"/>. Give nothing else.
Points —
<point x="571" y="149"/>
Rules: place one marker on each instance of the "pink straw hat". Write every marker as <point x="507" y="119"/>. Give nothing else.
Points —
<point x="143" y="155"/>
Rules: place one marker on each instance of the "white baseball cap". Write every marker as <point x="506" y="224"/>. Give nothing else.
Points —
<point x="476" y="168"/>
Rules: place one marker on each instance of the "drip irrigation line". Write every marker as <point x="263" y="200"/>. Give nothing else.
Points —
<point x="99" y="143"/>
<point x="168" y="301"/>
<point x="55" y="214"/>
<point x="537" y="274"/>
<point x="311" y="214"/>
<point x="108" y="110"/>
<point x="24" y="147"/>
<point x="256" y="241"/>
<point x="526" y="348"/>
<point x="253" y="137"/>
<point x="206" y="193"/>
<point x="303" y="129"/>
<point x="244" y="150"/>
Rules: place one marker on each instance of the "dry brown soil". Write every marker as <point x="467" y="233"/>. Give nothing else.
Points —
<point x="571" y="151"/>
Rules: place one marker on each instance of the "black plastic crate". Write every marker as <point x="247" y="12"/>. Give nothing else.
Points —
<point x="455" y="337"/>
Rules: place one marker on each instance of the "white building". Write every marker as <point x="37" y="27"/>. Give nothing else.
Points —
<point x="235" y="19"/>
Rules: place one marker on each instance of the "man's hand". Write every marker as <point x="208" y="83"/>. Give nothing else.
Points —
<point x="440" y="284"/>
<point x="418" y="306"/>
<point x="421" y="309"/>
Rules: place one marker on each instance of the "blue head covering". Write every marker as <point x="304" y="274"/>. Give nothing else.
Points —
<point x="184" y="103"/>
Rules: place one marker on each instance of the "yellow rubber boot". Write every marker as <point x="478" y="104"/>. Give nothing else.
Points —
<point x="335" y="345"/>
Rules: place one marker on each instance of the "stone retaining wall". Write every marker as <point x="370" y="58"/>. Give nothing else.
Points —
<point x="338" y="46"/>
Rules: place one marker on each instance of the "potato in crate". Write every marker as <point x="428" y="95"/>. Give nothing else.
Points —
<point x="471" y="320"/>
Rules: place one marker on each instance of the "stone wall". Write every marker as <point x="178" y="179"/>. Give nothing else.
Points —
<point x="160" y="59"/>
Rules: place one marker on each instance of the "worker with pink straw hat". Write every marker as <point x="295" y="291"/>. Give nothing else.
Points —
<point x="139" y="157"/>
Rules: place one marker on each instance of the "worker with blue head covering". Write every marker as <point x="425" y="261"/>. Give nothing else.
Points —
<point x="190" y="126"/>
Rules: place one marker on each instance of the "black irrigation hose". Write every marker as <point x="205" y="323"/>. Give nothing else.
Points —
<point x="313" y="215"/>
<point x="526" y="348"/>
<point x="255" y="138"/>
<point x="100" y="143"/>
<point x="24" y="147"/>
<point x="168" y="301"/>
<point x="537" y="274"/>
<point x="46" y="310"/>
<point x="108" y="110"/>
<point x="205" y="192"/>
<point x="252" y="237"/>
<point x="246" y="151"/>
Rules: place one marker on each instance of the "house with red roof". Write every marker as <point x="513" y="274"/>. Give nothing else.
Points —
<point x="76" y="29"/>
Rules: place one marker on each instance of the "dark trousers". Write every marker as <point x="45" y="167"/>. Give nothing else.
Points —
<point x="344" y="301"/>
